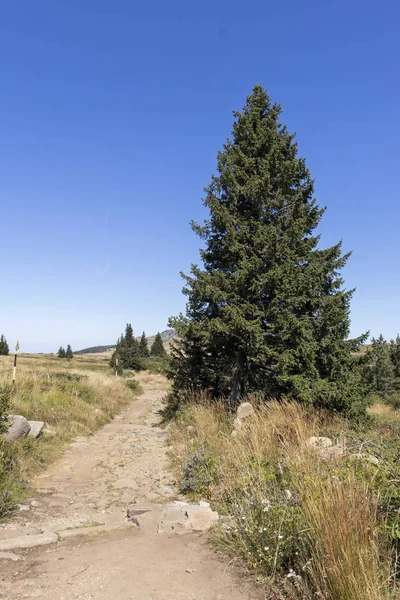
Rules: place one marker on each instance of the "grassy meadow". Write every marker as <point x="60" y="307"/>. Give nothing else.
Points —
<point x="305" y="526"/>
<point x="73" y="398"/>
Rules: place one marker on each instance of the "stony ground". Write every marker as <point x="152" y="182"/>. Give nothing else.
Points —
<point x="92" y="530"/>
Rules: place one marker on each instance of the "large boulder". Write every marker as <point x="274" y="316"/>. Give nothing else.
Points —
<point x="244" y="410"/>
<point x="18" y="428"/>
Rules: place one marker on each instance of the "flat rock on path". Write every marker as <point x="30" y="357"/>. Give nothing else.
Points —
<point x="78" y="541"/>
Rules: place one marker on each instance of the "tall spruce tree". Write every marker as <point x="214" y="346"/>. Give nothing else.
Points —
<point x="61" y="352"/>
<point x="143" y="346"/>
<point x="4" y="348"/>
<point x="68" y="353"/>
<point x="267" y="312"/>
<point x="157" y="347"/>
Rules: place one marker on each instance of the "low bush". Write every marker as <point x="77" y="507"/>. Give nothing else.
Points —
<point x="5" y="402"/>
<point x="133" y="385"/>
<point x="199" y="472"/>
<point x="157" y="365"/>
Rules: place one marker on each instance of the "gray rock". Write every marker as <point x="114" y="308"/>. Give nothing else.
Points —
<point x="36" y="428"/>
<point x="288" y="495"/>
<point x="332" y="452"/>
<point x="190" y="429"/>
<point x="366" y="457"/>
<point x="19" y="428"/>
<point x="244" y="410"/>
<point x="318" y="442"/>
<point x="10" y="556"/>
<point x="203" y="520"/>
<point x="181" y="518"/>
<point x="48" y="431"/>
<point x="237" y="424"/>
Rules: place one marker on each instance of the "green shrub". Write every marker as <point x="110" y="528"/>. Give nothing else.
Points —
<point x="12" y="488"/>
<point x="393" y="400"/>
<point x="68" y="376"/>
<point x="158" y="365"/>
<point x="133" y="385"/>
<point x="5" y="401"/>
<point x="199" y="472"/>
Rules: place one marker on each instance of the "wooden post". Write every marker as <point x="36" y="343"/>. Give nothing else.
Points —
<point x="116" y="367"/>
<point x="15" y="361"/>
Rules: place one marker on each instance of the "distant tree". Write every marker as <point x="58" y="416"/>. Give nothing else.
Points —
<point x="395" y="355"/>
<point x="61" y="352"/>
<point x="68" y="352"/>
<point x="116" y="362"/>
<point x="127" y="351"/>
<point x="379" y="367"/>
<point x="4" y="349"/>
<point x="143" y="346"/>
<point x="157" y="348"/>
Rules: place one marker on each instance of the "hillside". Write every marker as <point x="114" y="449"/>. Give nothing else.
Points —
<point x="167" y="336"/>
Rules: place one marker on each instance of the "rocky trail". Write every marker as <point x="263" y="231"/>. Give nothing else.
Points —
<point x="105" y="523"/>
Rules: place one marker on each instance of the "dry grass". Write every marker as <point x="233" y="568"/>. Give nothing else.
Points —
<point x="323" y="540"/>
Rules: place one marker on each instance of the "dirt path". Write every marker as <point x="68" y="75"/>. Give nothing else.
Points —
<point x="76" y="541"/>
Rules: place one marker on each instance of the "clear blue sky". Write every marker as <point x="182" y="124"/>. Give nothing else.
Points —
<point x="111" y="115"/>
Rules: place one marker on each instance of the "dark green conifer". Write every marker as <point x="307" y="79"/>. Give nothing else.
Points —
<point x="143" y="346"/>
<point x="4" y="349"/>
<point x="379" y="367"/>
<point x="395" y="355"/>
<point x="61" y="352"/>
<point x="68" y="353"/>
<point x="127" y="351"/>
<point x="157" y="347"/>
<point x="267" y="311"/>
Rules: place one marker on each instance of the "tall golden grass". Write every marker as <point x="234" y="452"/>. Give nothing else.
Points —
<point x="331" y="545"/>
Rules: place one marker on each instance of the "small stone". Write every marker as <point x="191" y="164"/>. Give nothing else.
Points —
<point x="288" y="495"/>
<point x="318" y="442"/>
<point x="23" y="507"/>
<point x="48" y="431"/>
<point x="190" y="429"/>
<point x="332" y="453"/>
<point x="35" y="504"/>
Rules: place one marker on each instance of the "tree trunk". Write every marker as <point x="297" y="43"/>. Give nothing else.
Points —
<point x="235" y="380"/>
